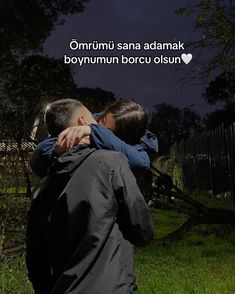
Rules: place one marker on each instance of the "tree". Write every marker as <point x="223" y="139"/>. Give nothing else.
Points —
<point x="215" y="22"/>
<point x="221" y="88"/>
<point x="171" y="123"/>
<point x="165" y="123"/>
<point x="26" y="24"/>
<point x="224" y="116"/>
<point x="95" y="99"/>
<point x="190" y="123"/>
<point x="24" y="27"/>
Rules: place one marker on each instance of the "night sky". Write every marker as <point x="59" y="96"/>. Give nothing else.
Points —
<point x="132" y="21"/>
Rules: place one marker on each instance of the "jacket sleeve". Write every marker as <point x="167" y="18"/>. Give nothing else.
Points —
<point x="42" y="157"/>
<point x="103" y="138"/>
<point x="134" y="216"/>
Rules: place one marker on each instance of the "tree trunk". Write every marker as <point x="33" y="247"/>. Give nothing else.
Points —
<point x="198" y="213"/>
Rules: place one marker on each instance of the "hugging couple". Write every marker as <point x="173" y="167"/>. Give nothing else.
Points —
<point x="89" y="212"/>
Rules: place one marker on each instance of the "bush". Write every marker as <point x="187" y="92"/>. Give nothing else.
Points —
<point x="172" y="167"/>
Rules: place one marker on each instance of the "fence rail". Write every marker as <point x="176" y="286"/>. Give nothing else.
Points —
<point x="208" y="161"/>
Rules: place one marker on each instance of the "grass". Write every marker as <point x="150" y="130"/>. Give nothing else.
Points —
<point x="13" y="190"/>
<point x="13" y="277"/>
<point x="203" y="262"/>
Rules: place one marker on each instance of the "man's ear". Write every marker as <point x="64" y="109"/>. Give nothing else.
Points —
<point x="81" y="121"/>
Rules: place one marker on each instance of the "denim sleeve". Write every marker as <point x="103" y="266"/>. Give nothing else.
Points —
<point x="149" y="142"/>
<point x="42" y="157"/>
<point x="97" y="115"/>
<point x="103" y="138"/>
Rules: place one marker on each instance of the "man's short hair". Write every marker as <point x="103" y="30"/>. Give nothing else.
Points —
<point x="59" y="114"/>
<point x="130" y="120"/>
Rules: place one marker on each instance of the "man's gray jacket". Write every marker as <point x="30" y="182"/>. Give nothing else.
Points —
<point x="82" y="223"/>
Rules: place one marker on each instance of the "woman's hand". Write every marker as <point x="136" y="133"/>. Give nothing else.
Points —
<point x="71" y="137"/>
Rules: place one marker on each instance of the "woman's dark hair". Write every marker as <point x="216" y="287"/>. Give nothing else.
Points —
<point x="130" y="120"/>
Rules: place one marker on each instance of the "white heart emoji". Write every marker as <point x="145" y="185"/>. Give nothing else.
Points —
<point x="186" y="57"/>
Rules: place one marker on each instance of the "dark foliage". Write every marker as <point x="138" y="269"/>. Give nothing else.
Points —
<point x="225" y="116"/>
<point x="26" y="24"/>
<point x="171" y="123"/>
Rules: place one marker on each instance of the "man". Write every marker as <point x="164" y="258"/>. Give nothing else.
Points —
<point x="84" y="218"/>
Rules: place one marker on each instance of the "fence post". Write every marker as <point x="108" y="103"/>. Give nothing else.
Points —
<point x="195" y="164"/>
<point x="229" y="146"/>
<point x="210" y="163"/>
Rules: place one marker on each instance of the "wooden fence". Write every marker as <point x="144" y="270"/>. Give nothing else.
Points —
<point x="208" y="161"/>
<point x="14" y="166"/>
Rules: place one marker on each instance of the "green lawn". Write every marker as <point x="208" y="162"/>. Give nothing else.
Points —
<point x="203" y="262"/>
